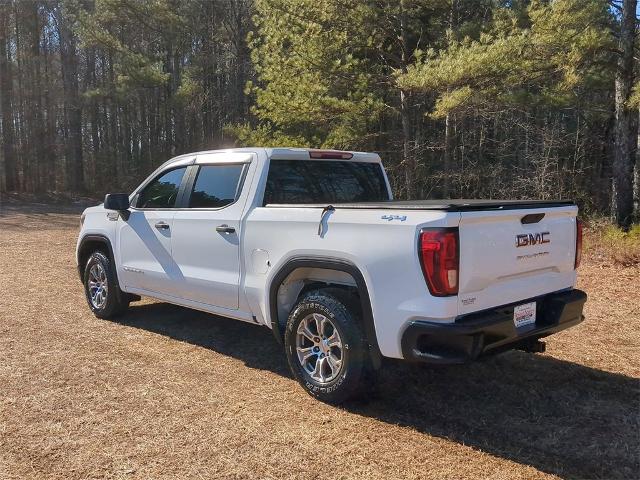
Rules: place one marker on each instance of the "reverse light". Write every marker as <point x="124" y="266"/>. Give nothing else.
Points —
<point x="439" y="257"/>
<point x="334" y="154"/>
<point x="578" y="243"/>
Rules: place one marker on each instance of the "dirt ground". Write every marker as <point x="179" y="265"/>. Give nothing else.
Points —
<point x="166" y="392"/>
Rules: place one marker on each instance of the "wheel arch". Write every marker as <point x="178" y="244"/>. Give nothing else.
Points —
<point x="322" y="263"/>
<point x="89" y="244"/>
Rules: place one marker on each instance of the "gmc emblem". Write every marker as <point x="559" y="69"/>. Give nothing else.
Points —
<point x="529" y="239"/>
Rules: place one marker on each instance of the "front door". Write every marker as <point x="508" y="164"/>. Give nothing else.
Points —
<point x="206" y="233"/>
<point x="145" y="237"/>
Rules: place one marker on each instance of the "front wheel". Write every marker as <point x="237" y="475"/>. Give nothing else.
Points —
<point x="325" y="347"/>
<point x="101" y="287"/>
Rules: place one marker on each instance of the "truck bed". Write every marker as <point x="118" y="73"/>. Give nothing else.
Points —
<point x="457" y="205"/>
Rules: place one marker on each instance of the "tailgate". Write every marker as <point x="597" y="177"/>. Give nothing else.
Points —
<point x="512" y="255"/>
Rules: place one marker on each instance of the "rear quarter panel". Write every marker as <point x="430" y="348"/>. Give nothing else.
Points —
<point x="385" y="252"/>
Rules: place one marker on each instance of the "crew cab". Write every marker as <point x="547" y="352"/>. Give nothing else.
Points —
<point x="310" y="244"/>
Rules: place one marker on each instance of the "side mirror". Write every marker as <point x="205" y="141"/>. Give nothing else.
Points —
<point x="116" y="201"/>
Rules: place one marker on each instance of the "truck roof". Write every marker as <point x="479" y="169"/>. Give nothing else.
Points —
<point x="320" y="154"/>
<point x="292" y="153"/>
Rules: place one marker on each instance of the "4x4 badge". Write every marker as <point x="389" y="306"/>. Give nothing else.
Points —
<point x="402" y="218"/>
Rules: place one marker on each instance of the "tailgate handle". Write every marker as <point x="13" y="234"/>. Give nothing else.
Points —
<point x="532" y="218"/>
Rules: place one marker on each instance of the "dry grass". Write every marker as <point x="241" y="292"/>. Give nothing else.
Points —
<point x="605" y="243"/>
<point x="171" y="393"/>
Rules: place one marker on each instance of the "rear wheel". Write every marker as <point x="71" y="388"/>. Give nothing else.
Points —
<point x="101" y="288"/>
<point x="325" y="346"/>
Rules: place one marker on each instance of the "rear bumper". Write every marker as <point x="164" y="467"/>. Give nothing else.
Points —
<point x="490" y="331"/>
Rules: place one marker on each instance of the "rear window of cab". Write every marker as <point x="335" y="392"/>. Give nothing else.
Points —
<point x="324" y="181"/>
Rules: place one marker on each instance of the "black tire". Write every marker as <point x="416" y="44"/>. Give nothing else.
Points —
<point x="117" y="301"/>
<point x="355" y="374"/>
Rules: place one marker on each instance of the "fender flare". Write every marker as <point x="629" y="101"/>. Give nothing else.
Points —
<point x="330" y="264"/>
<point x="94" y="237"/>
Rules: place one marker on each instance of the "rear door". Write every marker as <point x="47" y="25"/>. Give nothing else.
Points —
<point x="512" y="255"/>
<point x="207" y="232"/>
<point x="145" y="237"/>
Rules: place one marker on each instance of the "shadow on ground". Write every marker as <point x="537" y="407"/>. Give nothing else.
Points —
<point x="557" y="416"/>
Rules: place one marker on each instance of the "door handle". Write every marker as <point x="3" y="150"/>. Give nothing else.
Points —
<point x="162" y="226"/>
<point x="224" y="228"/>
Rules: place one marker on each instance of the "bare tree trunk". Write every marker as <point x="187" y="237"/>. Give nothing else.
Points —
<point x="407" y="158"/>
<point x="145" y="149"/>
<point x="34" y="153"/>
<point x="49" y="171"/>
<point x="19" y="100"/>
<point x="405" y="115"/>
<point x="168" y="106"/>
<point x="626" y="122"/>
<point x="449" y="126"/>
<point x="93" y="119"/>
<point x="6" y="104"/>
<point x="180" y="137"/>
<point x="636" y="181"/>
<point x="72" y="106"/>
<point x="636" y="192"/>
<point x="448" y="153"/>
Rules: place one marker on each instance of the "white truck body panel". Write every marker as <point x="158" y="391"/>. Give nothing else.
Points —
<point x="377" y="247"/>
<point x="495" y="271"/>
<point x="145" y="252"/>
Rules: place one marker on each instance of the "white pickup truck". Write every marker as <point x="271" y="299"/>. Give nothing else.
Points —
<point x="311" y="244"/>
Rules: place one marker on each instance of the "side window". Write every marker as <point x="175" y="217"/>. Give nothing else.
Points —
<point x="216" y="186"/>
<point x="163" y="191"/>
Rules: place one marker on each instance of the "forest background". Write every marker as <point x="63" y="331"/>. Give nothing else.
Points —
<point x="461" y="98"/>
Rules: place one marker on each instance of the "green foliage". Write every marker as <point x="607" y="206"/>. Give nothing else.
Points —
<point x="547" y="54"/>
<point x="606" y="242"/>
<point x="614" y="233"/>
<point x="521" y="84"/>
<point x="138" y="62"/>
<point x="634" y="100"/>
<point x="315" y="84"/>
<point x="265" y="135"/>
<point x="468" y="98"/>
<point x="190" y="90"/>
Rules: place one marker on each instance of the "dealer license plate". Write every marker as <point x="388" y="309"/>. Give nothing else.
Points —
<point x="524" y="314"/>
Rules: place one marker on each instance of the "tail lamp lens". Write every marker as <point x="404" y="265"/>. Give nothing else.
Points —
<point x="578" y="243"/>
<point x="439" y="257"/>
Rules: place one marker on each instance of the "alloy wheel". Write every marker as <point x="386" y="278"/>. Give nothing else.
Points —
<point x="97" y="284"/>
<point x="319" y="348"/>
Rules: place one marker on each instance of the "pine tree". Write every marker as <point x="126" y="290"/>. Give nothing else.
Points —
<point x="315" y="86"/>
<point x="531" y="66"/>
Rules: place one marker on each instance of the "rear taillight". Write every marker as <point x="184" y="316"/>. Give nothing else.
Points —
<point x="438" y="250"/>
<point x="578" y="242"/>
